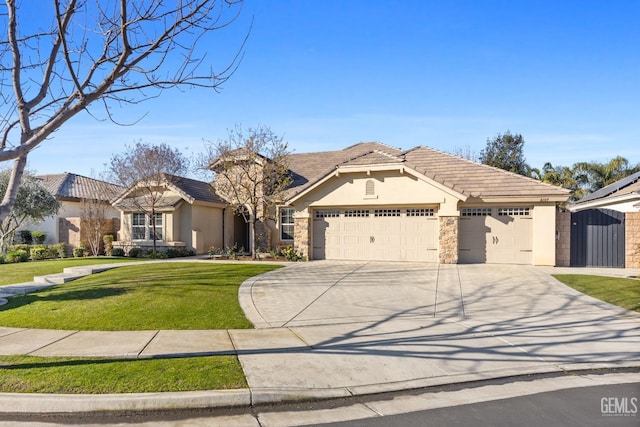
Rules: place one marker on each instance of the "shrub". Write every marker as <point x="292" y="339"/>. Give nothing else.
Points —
<point x="26" y="248"/>
<point x="177" y="253"/>
<point x="25" y="237"/>
<point x="39" y="253"/>
<point x="135" y="252"/>
<point x="108" y="244"/>
<point x="18" y="255"/>
<point x="78" y="252"/>
<point x="38" y="237"/>
<point x="155" y="255"/>
<point x="290" y="253"/>
<point x="117" y="252"/>
<point x="58" y="250"/>
<point x="2" y="259"/>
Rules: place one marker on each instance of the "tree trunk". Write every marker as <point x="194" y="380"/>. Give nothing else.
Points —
<point x="12" y="188"/>
<point x="252" y="240"/>
<point x="153" y="228"/>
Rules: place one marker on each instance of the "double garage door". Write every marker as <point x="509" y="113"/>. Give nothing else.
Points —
<point x="399" y="234"/>
<point x="486" y="235"/>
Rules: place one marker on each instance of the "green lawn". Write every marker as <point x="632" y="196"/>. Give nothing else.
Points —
<point x="168" y="295"/>
<point x="25" y="374"/>
<point x="25" y="271"/>
<point x="622" y="292"/>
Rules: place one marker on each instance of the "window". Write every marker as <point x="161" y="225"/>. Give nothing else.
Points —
<point x="286" y="223"/>
<point x="141" y="226"/>
<point x="420" y="212"/>
<point x="138" y="226"/>
<point x="158" y="227"/>
<point x="327" y="214"/>
<point x="513" y="212"/>
<point x="386" y="212"/>
<point x="476" y="212"/>
<point x="356" y="213"/>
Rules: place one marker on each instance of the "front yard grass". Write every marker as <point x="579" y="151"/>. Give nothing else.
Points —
<point x="24" y="271"/>
<point x="622" y="292"/>
<point x="169" y="295"/>
<point x="26" y="374"/>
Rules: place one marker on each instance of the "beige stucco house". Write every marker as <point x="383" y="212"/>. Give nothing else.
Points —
<point x="188" y="213"/>
<point x="73" y="191"/>
<point x="375" y="202"/>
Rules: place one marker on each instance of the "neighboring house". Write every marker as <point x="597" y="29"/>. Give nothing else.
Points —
<point x="621" y="196"/>
<point x="374" y="202"/>
<point x="605" y="226"/>
<point x="73" y="191"/>
<point x="189" y="215"/>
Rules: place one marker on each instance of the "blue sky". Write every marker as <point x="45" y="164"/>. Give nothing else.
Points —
<point x="445" y="74"/>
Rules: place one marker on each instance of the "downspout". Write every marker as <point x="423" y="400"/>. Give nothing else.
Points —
<point x="224" y="219"/>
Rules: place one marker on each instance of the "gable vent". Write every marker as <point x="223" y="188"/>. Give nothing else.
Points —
<point x="370" y="188"/>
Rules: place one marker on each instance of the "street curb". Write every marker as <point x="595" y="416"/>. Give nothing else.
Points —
<point x="23" y="403"/>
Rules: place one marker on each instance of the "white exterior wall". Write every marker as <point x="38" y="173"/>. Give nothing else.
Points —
<point x="544" y="235"/>
<point x="67" y="210"/>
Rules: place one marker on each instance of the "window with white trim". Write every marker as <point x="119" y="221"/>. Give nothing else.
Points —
<point x="286" y="223"/>
<point x="142" y="226"/>
<point x="476" y="212"/>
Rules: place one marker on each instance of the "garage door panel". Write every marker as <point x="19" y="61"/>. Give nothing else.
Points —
<point x="496" y="235"/>
<point x="385" y="234"/>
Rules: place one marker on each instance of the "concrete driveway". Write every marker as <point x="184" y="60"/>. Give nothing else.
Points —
<point x="373" y="326"/>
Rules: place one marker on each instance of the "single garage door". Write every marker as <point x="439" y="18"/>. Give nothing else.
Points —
<point x="496" y="235"/>
<point x="399" y="234"/>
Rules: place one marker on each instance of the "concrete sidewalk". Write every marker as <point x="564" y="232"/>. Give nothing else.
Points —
<point x="339" y="329"/>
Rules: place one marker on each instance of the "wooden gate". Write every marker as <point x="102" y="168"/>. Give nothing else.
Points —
<point x="597" y="238"/>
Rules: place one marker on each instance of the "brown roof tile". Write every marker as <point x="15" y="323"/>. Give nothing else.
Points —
<point x="464" y="176"/>
<point x="71" y="186"/>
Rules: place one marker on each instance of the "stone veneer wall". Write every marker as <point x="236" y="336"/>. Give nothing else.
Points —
<point x="448" y="250"/>
<point x="563" y="239"/>
<point x="632" y="239"/>
<point x="301" y="236"/>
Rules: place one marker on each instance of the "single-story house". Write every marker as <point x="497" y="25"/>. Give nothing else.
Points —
<point x="73" y="192"/>
<point x="368" y="201"/>
<point x="188" y="215"/>
<point x="371" y="201"/>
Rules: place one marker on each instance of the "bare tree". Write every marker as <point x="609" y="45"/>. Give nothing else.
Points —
<point x="94" y="222"/>
<point x="146" y="170"/>
<point x="57" y="58"/>
<point x="251" y="172"/>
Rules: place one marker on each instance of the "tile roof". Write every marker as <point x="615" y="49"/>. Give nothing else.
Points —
<point x="475" y="179"/>
<point x="197" y="190"/>
<point x="308" y="168"/>
<point x="75" y="187"/>
<point x="187" y="189"/>
<point x="463" y="176"/>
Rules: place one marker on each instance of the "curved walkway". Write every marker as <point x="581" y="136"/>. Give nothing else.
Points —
<point x="336" y="329"/>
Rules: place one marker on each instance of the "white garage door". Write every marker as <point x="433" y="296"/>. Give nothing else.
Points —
<point x="409" y="234"/>
<point x="496" y="235"/>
